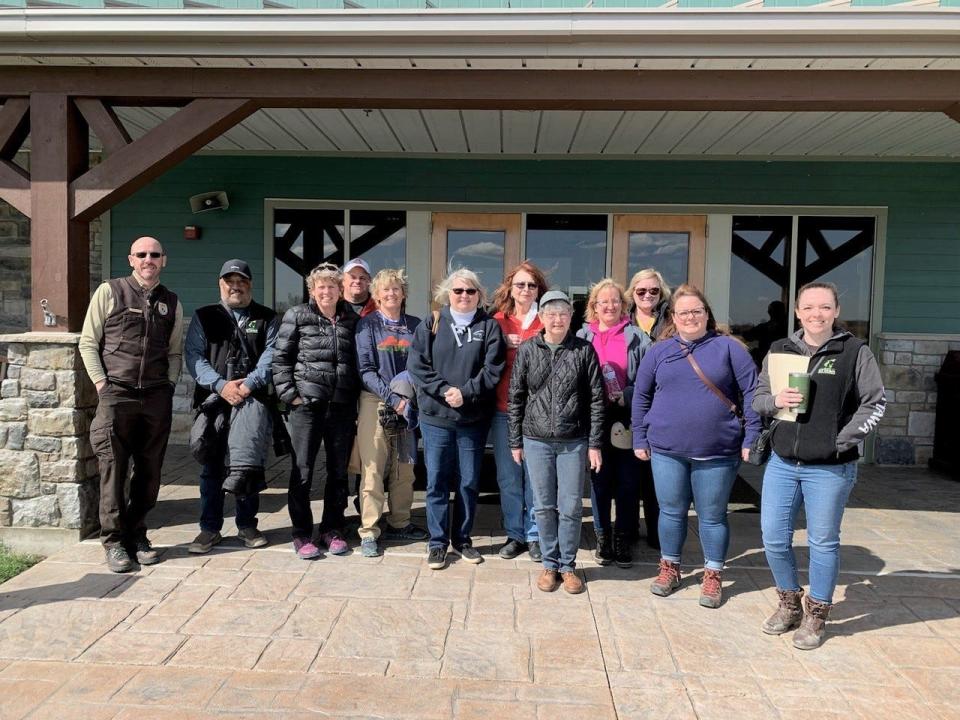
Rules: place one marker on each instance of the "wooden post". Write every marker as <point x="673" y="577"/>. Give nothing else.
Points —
<point x="59" y="246"/>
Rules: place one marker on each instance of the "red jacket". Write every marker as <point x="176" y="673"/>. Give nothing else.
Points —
<point x="511" y="324"/>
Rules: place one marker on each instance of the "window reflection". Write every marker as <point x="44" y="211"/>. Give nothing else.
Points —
<point x="572" y="252"/>
<point x="302" y="239"/>
<point x="379" y="237"/>
<point x="478" y="250"/>
<point x="668" y="252"/>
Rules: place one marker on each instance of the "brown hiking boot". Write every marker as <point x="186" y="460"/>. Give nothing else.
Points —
<point x="572" y="583"/>
<point x="813" y="627"/>
<point x="548" y="581"/>
<point x="668" y="580"/>
<point x="788" y="613"/>
<point x="711" y="588"/>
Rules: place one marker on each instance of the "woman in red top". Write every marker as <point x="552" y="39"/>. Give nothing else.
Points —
<point x="515" y="305"/>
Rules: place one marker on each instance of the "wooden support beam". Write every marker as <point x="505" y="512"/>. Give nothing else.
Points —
<point x="15" y="186"/>
<point x="104" y="123"/>
<point x="136" y="164"/>
<point x="14" y="126"/>
<point x="785" y="90"/>
<point x="59" y="245"/>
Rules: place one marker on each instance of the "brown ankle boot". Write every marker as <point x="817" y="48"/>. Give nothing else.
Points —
<point x="668" y="580"/>
<point x="548" y="581"/>
<point x="788" y="613"/>
<point x="813" y="627"/>
<point x="572" y="583"/>
<point x="711" y="588"/>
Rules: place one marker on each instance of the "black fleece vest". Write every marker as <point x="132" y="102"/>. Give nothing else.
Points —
<point x="812" y="440"/>
<point x="136" y="334"/>
<point x="224" y="343"/>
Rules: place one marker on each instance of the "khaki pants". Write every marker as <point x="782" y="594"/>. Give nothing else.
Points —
<point x="379" y="464"/>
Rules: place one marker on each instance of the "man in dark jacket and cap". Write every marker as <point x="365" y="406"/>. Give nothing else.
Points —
<point x="229" y="350"/>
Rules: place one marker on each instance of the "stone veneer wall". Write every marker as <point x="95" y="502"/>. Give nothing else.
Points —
<point x="48" y="474"/>
<point x="908" y="364"/>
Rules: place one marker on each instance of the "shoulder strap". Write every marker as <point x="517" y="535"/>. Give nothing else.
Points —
<point x="731" y="406"/>
<point x="436" y="322"/>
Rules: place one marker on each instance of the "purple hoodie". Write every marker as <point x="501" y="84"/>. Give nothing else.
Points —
<point x="674" y="412"/>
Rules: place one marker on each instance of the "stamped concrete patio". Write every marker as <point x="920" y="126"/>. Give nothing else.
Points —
<point x="260" y="634"/>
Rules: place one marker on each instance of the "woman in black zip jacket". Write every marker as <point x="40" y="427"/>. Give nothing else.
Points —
<point x="455" y="362"/>
<point x="814" y="458"/>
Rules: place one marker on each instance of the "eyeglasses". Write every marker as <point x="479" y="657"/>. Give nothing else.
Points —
<point x="652" y="292"/>
<point x="557" y="314"/>
<point x="526" y="285"/>
<point x="605" y="303"/>
<point x="153" y="255"/>
<point x="691" y="314"/>
<point x="461" y="291"/>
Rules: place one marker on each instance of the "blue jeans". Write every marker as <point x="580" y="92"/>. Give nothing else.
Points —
<point x="447" y="450"/>
<point x="708" y="484"/>
<point x="516" y="494"/>
<point x="211" y="501"/>
<point x="618" y="482"/>
<point x="823" y="490"/>
<point x="557" y="476"/>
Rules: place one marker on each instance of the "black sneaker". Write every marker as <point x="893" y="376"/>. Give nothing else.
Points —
<point x="407" y="532"/>
<point x="536" y="554"/>
<point x="470" y="554"/>
<point x="118" y="559"/>
<point x="512" y="549"/>
<point x="437" y="558"/>
<point x="604" y="552"/>
<point x="145" y="553"/>
<point x="622" y="552"/>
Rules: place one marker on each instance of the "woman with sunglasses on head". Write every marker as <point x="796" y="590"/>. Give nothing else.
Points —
<point x="814" y="459"/>
<point x="315" y="374"/>
<point x="515" y="305"/>
<point x="649" y="298"/>
<point x="693" y="420"/>
<point x="455" y="361"/>
<point x="619" y="345"/>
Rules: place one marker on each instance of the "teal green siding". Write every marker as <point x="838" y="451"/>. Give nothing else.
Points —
<point x="922" y="284"/>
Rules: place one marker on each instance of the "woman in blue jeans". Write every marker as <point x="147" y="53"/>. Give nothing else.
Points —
<point x="556" y="424"/>
<point x="814" y="458"/>
<point x="515" y="303"/>
<point x="687" y="422"/>
<point x="455" y="361"/>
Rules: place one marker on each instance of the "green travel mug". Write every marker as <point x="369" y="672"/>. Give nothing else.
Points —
<point x="800" y="381"/>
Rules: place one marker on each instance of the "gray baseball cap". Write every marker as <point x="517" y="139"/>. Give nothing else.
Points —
<point x="554" y="296"/>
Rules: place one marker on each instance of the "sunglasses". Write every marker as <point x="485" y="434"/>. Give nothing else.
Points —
<point x="153" y="255"/>
<point x="461" y="291"/>
<point x="526" y="285"/>
<point x="652" y="292"/>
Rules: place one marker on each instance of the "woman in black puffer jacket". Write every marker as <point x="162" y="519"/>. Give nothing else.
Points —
<point x="556" y="412"/>
<point x="315" y="374"/>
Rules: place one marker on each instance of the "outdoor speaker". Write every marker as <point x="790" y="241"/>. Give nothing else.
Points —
<point x="209" y="201"/>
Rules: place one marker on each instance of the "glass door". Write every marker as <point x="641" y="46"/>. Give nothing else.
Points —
<point x="676" y="245"/>
<point x="487" y="243"/>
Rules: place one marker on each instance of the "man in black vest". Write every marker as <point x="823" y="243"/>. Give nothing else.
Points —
<point x="229" y="350"/>
<point x="132" y="345"/>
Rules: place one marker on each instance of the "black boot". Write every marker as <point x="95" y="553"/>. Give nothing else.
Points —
<point x="604" y="552"/>
<point x="621" y="551"/>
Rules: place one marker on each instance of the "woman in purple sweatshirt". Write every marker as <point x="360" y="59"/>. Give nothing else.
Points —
<point x="694" y="439"/>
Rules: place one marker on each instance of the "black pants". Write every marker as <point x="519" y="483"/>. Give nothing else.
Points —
<point x="335" y="425"/>
<point x="130" y="425"/>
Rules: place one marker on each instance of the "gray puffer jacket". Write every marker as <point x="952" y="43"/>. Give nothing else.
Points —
<point x="556" y="396"/>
